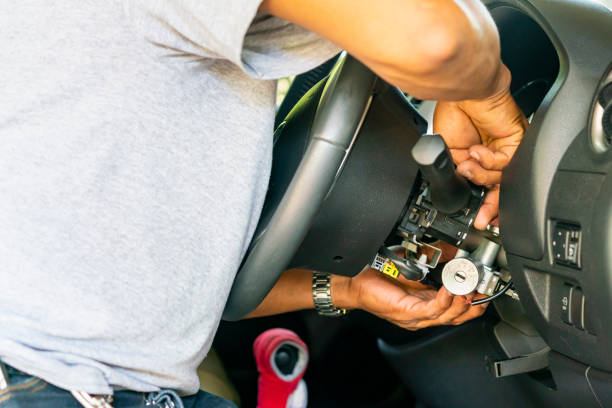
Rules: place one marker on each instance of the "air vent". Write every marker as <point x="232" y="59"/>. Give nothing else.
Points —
<point x="601" y="120"/>
<point x="605" y="100"/>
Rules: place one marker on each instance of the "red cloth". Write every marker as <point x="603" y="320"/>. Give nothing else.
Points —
<point x="273" y="391"/>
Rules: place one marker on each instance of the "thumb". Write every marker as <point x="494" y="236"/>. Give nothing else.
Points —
<point x="444" y="299"/>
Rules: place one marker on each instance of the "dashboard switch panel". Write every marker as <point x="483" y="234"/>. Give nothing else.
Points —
<point x="566" y="242"/>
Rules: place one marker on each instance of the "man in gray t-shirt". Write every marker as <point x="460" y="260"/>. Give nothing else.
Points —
<point x="135" y="150"/>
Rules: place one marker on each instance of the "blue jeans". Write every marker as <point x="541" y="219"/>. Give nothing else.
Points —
<point x="25" y="391"/>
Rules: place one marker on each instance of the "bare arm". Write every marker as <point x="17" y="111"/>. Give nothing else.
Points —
<point x="293" y="291"/>
<point x="410" y="305"/>
<point x="445" y="50"/>
<point x="433" y="49"/>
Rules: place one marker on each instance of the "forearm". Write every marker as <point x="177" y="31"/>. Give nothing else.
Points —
<point x="293" y="291"/>
<point x="433" y="49"/>
<point x="407" y="304"/>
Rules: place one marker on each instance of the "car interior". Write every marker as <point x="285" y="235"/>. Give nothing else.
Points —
<point x="359" y="179"/>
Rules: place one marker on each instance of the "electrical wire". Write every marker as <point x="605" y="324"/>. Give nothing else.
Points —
<point x="493" y="296"/>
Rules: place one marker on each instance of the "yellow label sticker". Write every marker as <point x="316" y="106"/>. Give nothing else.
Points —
<point x="390" y="269"/>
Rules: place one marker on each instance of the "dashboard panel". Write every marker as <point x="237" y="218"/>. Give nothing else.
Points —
<point x="556" y="199"/>
<point x="555" y="224"/>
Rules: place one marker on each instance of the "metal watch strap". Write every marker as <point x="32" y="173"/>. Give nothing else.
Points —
<point x="321" y="294"/>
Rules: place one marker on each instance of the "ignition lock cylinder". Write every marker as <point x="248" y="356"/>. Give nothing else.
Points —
<point x="476" y="272"/>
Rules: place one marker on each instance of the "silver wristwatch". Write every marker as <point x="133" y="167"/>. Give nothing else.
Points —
<point x="321" y="294"/>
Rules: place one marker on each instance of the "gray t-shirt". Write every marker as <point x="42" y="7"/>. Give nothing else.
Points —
<point x="135" y="149"/>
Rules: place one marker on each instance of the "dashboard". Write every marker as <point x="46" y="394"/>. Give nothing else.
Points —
<point x="556" y="207"/>
<point x="555" y="224"/>
<point x="357" y="133"/>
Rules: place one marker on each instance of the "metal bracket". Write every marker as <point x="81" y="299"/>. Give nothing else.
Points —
<point x="413" y="246"/>
<point x="519" y="365"/>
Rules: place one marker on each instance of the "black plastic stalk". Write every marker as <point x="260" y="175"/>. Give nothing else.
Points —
<point x="449" y="192"/>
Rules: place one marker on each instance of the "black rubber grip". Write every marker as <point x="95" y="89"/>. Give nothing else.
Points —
<point x="448" y="190"/>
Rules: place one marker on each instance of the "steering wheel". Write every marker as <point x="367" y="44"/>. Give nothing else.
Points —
<point x="339" y="114"/>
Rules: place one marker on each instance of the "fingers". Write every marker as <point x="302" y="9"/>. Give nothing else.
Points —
<point x="455" y="126"/>
<point x="491" y="159"/>
<point x="472" y="313"/>
<point x="429" y="311"/>
<point x="458" y="308"/>
<point x="473" y="171"/>
<point x="481" y="164"/>
<point x="484" y="168"/>
<point x="444" y="300"/>
<point x="460" y="155"/>
<point x="449" y="310"/>
<point x="449" y="307"/>
<point x="498" y="117"/>
<point x="461" y="310"/>
<point x="489" y="209"/>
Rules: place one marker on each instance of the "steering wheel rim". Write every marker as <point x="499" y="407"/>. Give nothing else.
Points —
<point x="341" y="110"/>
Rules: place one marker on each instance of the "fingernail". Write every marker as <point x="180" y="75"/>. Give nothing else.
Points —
<point x="475" y="156"/>
<point x="467" y="174"/>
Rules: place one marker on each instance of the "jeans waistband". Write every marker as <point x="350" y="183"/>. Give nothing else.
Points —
<point x="9" y="370"/>
<point x="161" y="399"/>
<point x="6" y="372"/>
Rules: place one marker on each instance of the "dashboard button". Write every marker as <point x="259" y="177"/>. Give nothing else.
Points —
<point x="587" y="317"/>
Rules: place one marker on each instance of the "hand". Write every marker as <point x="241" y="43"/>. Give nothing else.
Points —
<point x="408" y="304"/>
<point x="482" y="136"/>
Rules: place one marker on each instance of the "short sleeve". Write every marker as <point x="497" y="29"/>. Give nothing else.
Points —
<point x="263" y="46"/>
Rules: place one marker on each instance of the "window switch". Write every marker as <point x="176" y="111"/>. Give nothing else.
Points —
<point x="566" y="243"/>
<point x="577" y="308"/>
<point x="565" y="303"/>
